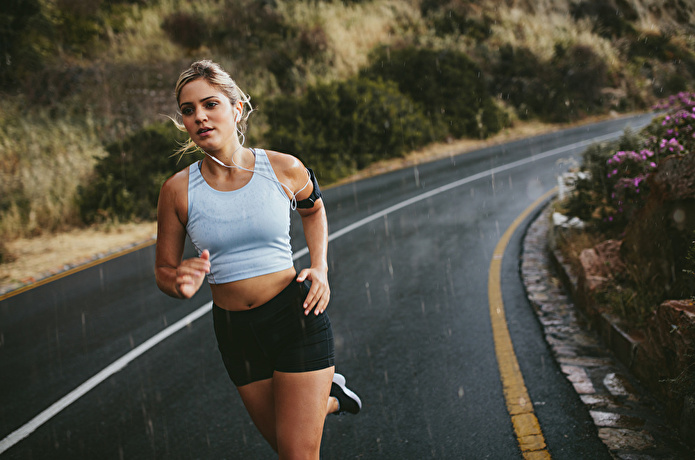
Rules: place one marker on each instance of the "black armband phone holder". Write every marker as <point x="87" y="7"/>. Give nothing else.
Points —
<point x="315" y="194"/>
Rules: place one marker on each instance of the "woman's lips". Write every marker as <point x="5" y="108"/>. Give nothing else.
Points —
<point x="203" y="132"/>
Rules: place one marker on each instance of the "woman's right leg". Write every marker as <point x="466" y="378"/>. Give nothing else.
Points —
<point x="260" y="404"/>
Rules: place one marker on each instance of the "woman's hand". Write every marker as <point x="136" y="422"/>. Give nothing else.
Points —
<point x="191" y="273"/>
<point x="320" y="293"/>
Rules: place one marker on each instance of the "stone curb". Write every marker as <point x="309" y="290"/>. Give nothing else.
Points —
<point x="628" y="420"/>
<point x="623" y="346"/>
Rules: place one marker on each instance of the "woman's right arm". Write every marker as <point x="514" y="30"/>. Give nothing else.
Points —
<point x="175" y="277"/>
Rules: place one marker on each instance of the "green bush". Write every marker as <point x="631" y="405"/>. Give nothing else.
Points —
<point x="566" y="88"/>
<point x="593" y="198"/>
<point x="343" y="126"/>
<point x="453" y="17"/>
<point x="127" y="181"/>
<point x="186" y="29"/>
<point x="447" y="85"/>
<point x="518" y="78"/>
<point x="23" y="40"/>
<point x="609" y="20"/>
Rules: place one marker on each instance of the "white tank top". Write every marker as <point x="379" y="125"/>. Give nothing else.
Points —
<point x="247" y="231"/>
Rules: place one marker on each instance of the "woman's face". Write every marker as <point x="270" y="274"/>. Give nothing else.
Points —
<point x="208" y="116"/>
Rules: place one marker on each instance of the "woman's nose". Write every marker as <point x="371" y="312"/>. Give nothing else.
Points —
<point x="200" y="115"/>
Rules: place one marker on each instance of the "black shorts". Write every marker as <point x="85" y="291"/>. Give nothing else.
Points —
<point x="275" y="336"/>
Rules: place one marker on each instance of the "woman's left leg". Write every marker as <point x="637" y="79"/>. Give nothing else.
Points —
<point x="300" y="411"/>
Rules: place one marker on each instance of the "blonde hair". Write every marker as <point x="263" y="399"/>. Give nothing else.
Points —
<point x="216" y="77"/>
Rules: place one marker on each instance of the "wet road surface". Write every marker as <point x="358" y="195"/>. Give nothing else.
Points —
<point x="409" y="260"/>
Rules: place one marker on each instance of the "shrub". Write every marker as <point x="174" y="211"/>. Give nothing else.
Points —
<point x="127" y="181"/>
<point x="518" y="78"/>
<point x="186" y="29"/>
<point x="641" y="191"/>
<point x="23" y="40"/>
<point x="592" y="201"/>
<point x="627" y="170"/>
<point x="340" y="127"/>
<point x="453" y="17"/>
<point x="649" y="45"/>
<point x="564" y="89"/>
<point x="247" y="26"/>
<point x="609" y="20"/>
<point x="447" y="85"/>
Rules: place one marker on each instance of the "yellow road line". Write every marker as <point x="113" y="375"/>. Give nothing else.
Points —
<point x="79" y="268"/>
<point x="526" y="427"/>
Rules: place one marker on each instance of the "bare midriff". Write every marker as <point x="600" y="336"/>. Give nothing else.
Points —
<point x="252" y="292"/>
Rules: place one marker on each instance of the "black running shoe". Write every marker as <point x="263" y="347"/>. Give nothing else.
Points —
<point x="348" y="400"/>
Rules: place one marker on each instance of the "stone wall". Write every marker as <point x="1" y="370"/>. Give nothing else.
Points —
<point x="661" y="354"/>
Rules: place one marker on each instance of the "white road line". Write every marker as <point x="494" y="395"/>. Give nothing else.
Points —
<point x="105" y="373"/>
<point x="29" y="427"/>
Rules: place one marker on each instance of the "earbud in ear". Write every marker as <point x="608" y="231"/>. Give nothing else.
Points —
<point x="238" y="117"/>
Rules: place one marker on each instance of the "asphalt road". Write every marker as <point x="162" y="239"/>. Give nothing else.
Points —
<point x="409" y="258"/>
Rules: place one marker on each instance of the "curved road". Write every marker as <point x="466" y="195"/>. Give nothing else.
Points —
<point x="85" y="375"/>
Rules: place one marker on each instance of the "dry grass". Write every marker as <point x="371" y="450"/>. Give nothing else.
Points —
<point x="355" y="29"/>
<point x="42" y="163"/>
<point x="540" y="33"/>
<point x="140" y="37"/>
<point x="37" y="257"/>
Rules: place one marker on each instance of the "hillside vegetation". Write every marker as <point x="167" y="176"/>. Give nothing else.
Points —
<point x="87" y="84"/>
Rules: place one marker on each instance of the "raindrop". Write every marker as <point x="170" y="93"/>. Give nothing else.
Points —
<point x="369" y="296"/>
<point x="679" y="216"/>
<point x="460" y="392"/>
<point x="417" y="177"/>
<point x="386" y="225"/>
<point x="422" y="306"/>
<point x="390" y="268"/>
<point x="386" y="377"/>
<point x="449" y="277"/>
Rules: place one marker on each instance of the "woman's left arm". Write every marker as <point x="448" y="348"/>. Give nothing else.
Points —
<point x="316" y="234"/>
<point x="292" y="172"/>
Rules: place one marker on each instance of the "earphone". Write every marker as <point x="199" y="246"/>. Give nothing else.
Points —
<point x="237" y="119"/>
<point x="293" y="201"/>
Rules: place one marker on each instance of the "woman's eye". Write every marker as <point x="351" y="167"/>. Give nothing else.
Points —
<point x="186" y="111"/>
<point x="210" y="104"/>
